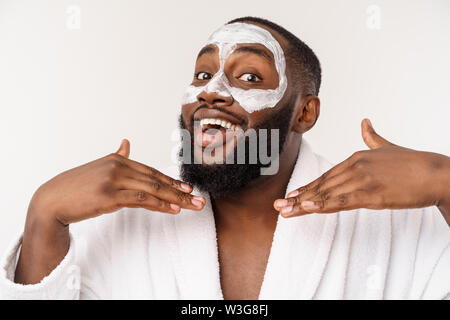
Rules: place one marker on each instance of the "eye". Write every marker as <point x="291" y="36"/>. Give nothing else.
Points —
<point x="203" y="76"/>
<point x="250" y="77"/>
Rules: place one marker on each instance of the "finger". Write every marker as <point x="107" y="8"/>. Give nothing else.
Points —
<point x="370" y="137"/>
<point x="297" y="207"/>
<point x="325" y="189"/>
<point x="124" y="149"/>
<point x="151" y="172"/>
<point x="162" y="191"/>
<point x="342" y="202"/>
<point x="142" y="172"/>
<point x="141" y="199"/>
<point x="339" y="168"/>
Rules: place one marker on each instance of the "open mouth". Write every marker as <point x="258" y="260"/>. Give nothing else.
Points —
<point x="218" y="124"/>
<point x="214" y="132"/>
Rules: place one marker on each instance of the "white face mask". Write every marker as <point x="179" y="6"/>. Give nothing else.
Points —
<point x="226" y="39"/>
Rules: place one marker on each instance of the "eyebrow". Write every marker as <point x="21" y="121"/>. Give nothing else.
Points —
<point x="205" y="50"/>
<point x="254" y="50"/>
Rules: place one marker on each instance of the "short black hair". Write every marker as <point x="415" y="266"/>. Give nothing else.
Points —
<point x="302" y="58"/>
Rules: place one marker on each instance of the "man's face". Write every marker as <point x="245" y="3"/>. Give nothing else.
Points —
<point x="239" y="84"/>
<point x="239" y="78"/>
<point x="250" y="66"/>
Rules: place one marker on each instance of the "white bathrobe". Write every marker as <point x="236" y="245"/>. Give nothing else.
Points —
<point x="359" y="254"/>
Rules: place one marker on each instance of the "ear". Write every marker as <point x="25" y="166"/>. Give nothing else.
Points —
<point x="308" y="111"/>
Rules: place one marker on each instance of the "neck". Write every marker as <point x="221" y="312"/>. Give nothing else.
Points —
<point x="255" y="202"/>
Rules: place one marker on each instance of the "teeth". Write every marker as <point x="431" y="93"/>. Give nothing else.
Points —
<point x="223" y="123"/>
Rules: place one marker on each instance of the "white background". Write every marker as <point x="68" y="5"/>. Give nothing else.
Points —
<point x="68" y="95"/>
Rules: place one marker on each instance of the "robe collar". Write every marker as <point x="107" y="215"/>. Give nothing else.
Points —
<point x="298" y="257"/>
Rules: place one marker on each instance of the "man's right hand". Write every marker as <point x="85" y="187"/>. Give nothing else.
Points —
<point x="108" y="184"/>
<point x="101" y="186"/>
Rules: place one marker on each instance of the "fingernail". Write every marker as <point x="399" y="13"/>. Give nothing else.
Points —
<point x="286" y="210"/>
<point x="197" y="201"/>
<point x="203" y="200"/>
<point x="369" y="122"/>
<point x="281" y="203"/>
<point x="309" y="205"/>
<point x="293" y="193"/>
<point x="174" y="207"/>
<point x="185" y="186"/>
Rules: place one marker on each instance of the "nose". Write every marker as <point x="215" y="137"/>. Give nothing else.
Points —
<point x="213" y="98"/>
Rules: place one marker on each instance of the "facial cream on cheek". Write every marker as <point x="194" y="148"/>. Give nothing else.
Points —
<point x="226" y="39"/>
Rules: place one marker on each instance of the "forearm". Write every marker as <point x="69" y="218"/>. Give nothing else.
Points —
<point x="45" y="244"/>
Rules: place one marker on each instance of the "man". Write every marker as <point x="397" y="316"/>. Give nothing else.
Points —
<point x="227" y="239"/>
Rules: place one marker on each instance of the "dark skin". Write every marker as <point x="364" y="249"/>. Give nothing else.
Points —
<point x="245" y="219"/>
<point x="385" y="177"/>
<point x="98" y="187"/>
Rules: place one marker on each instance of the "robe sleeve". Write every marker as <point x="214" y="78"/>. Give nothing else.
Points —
<point x="433" y="257"/>
<point x="438" y="286"/>
<point x="84" y="273"/>
<point x="61" y="283"/>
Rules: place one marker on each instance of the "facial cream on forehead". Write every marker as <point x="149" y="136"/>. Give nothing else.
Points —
<point x="226" y="38"/>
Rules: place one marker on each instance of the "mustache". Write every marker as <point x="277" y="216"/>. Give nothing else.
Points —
<point x="221" y="109"/>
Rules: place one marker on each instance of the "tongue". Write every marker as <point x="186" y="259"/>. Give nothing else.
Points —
<point x="212" y="133"/>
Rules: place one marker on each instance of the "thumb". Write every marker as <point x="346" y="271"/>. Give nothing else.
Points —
<point x="124" y="149"/>
<point x="370" y="137"/>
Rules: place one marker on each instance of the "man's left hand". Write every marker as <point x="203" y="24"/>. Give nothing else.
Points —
<point x="385" y="177"/>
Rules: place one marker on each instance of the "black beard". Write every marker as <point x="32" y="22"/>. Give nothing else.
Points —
<point x="220" y="179"/>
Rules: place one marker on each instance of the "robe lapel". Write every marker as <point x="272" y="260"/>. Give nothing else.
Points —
<point x="301" y="245"/>
<point x="193" y="244"/>
<point x="298" y="256"/>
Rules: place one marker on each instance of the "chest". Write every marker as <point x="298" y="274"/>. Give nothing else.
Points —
<point x="310" y="257"/>
<point x="243" y="261"/>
